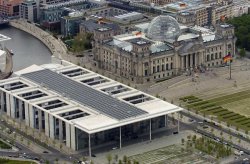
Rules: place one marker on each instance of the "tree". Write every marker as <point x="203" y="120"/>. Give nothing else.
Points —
<point x="242" y="52"/>
<point x="82" y="42"/>
<point x="182" y="141"/>
<point x="109" y="158"/>
<point x="84" y="159"/>
<point x="120" y="162"/>
<point x="221" y="133"/>
<point x="230" y="138"/>
<point x="61" y="146"/>
<point x="194" y="138"/>
<point x="212" y="130"/>
<point x="125" y="159"/>
<point x="116" y="157"/>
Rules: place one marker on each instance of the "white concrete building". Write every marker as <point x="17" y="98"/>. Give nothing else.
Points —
<point x="81" y="108"/>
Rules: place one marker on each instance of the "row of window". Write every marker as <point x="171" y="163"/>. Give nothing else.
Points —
<point x="162" y="60"/>
<point x="162" y="67"/>
<point x="163" y="75"/>
<point x="213" y="48"/>
<point x="214" y="56"/>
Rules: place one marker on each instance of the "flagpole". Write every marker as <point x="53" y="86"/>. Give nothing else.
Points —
<point x="230" y="75"/>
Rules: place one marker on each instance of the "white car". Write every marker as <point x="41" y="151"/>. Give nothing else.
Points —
<point x="245" y="159"/>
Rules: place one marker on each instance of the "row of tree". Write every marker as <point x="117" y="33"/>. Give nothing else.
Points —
<point x="242" y="31"/>
<point x="212" y="147"/>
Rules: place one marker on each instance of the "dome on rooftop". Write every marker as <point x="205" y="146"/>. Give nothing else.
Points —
<point x="164" y="28"/>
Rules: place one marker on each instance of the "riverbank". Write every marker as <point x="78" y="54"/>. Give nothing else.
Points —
<point x="56" y="46"/>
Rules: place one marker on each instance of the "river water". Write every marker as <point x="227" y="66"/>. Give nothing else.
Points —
<point x="27" y="49"/>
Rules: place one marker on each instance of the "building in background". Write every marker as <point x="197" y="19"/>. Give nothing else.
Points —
<point x="161" y="2"/>
<point x="28" y="10"/>
<point x="50" y="14"/>
<point x="70" y="24"/>
<point x="10" y="8"/>
<point x="186" y="18"/>
<point x="166" y="50"/>
<point x="90" y="25"/>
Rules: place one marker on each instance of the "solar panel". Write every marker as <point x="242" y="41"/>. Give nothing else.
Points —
<point x="84" y="95"/>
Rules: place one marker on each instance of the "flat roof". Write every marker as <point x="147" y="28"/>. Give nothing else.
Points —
<point x="84" y="95"/>
<point x="96" y="121"/>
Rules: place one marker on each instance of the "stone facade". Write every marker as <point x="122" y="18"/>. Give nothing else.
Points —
<point x="141" y="65"/>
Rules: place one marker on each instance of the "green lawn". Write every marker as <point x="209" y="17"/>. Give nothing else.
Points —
<point x="4" y="145"/>
<point x="7" y="161"/>
<point x="233" y="109"/>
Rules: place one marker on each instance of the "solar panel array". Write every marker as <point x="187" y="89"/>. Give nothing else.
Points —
<point x="84" y="95"/>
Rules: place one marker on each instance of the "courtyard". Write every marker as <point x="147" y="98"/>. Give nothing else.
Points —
<point x="173" y="154"/>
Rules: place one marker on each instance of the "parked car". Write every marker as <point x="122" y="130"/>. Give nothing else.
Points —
<point x="175" y="132"/>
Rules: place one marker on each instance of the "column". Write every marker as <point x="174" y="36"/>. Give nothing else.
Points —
<point x="73" y="137"/>
<point x="186" y="61"/>
<point x="12" y="106"/>
<point x="60" y="130"/>
<point x="178" y="122"/>
<point x="27" y="117"/>
<point x="40" y="120"/>
<point x="46" y="118"/>
<point x="166" y="120"/>
<point x="150" y="128"/>
<point x="191" y="60"/>
<point x="2" y="102"/>
<point x="120" y="137"/>
<point x="197" y="59"/>
<point x="182" y="63"/>
<point x="52" y="127"/>
<point x="67" y="127"/>
<point x="8" y="103"/>
<point x="194" y="60"/>
<point x="20" y="110"/>
<point x="89" y="146"/>
<point x="32" y="116"/>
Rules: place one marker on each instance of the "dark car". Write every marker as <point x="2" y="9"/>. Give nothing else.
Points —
<point x="175" y="132"/>
<point x="45" y="152"/>
<point x="93" y="155"/>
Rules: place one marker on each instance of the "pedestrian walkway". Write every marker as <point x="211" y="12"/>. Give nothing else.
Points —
<point x="144" y="146"/>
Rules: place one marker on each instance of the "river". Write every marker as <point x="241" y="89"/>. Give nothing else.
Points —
<point x="27" y="49"/>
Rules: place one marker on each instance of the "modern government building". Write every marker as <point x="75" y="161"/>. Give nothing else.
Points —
<point x="162" y="48"/>
<point x="81" y="108"/>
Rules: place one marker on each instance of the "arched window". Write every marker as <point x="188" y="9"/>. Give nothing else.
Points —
<point x="212" y="56"/>
<point x="208" y="57"/>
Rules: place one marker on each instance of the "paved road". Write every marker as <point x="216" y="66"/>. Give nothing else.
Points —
<point x="214" y="126"/>
<point x="55" y="154"/>
<point x="194" y="126"/>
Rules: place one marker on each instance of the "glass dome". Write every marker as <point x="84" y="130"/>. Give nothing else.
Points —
<point x="164" y="28"/>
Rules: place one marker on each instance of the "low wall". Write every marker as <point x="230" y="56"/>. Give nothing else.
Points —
<point x="56" y="46"/>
